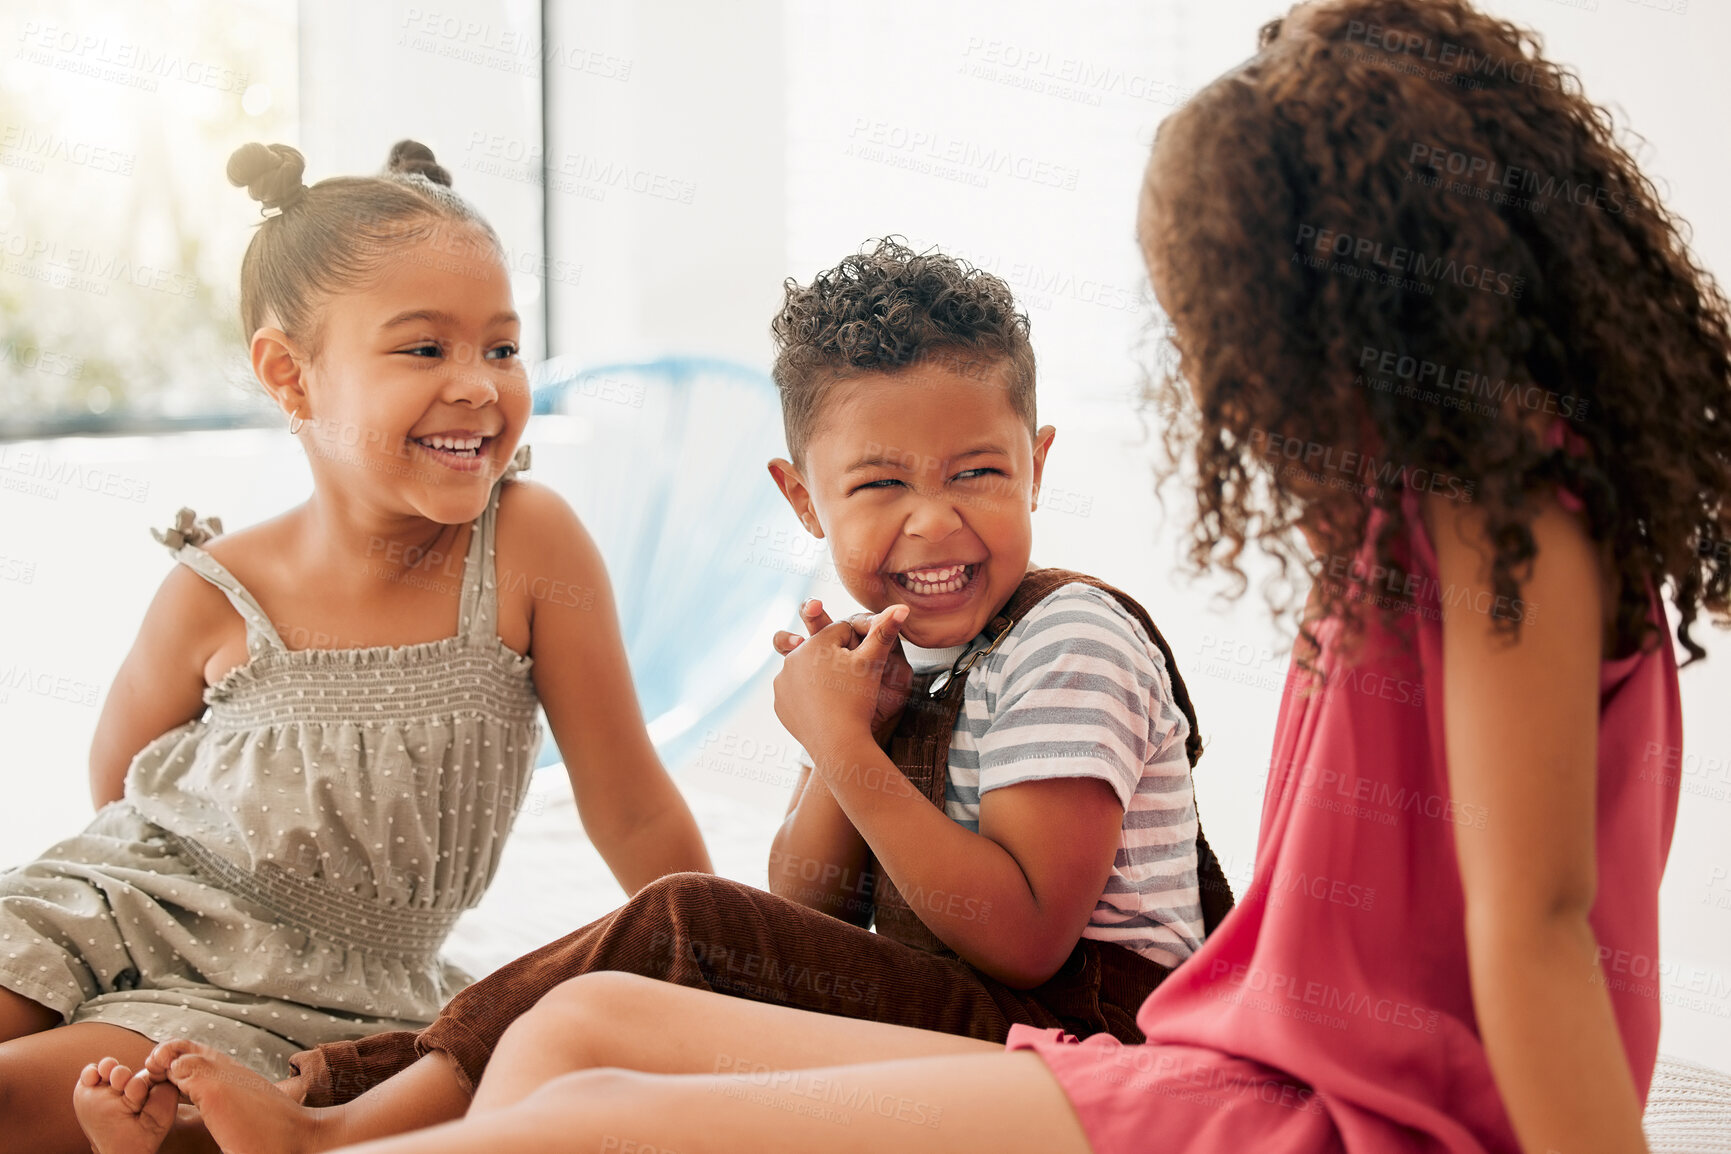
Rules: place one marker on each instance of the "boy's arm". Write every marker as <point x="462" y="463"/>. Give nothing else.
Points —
<point x="818" y="858"/>
<point x="630" y="808"/>
<point x="1521" y="722"/>
<point x="1012" y="900"/>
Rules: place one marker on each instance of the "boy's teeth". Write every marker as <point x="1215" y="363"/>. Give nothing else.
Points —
<point x="945" y="580"/>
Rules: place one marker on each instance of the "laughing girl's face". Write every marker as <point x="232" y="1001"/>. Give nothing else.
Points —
<point x="417" y="393"/>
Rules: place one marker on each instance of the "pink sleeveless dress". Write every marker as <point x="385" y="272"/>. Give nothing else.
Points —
<point x="1332" y="1010"/>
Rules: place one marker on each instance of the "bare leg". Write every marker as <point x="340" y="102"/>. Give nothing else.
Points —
<point x="602" y="1019"/>
<point x="427" y="1093"/>
<point x="37" y="1075"/>
<point x="21" y="1016"/>
<point x="122" y="1113"/>
<point x="635" y="1023"/>
<point x="245" y="1114"/>
<point x="955" y="1104"/>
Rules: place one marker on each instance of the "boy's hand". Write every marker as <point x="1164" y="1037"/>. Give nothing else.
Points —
<point x="897" y="676"/>
<point x="830" y="685"/>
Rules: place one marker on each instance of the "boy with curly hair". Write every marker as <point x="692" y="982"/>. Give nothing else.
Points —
<point x="1000" y="758"/>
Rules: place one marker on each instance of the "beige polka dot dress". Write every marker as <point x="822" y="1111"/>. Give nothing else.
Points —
<point x="282" y="871"/>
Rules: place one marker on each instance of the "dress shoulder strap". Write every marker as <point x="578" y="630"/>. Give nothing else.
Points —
<point x="186" y="539"/>
<point x="478" y="618"/>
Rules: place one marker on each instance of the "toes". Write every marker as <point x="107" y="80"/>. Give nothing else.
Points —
<point x="90" y="1076"/>
<point x="138" y="1089"/>
<point x="193" y="1071"/>
<point x="119" y="1076"/>
<point x="159" y="1108"/>
<point x="105" y="1065"/>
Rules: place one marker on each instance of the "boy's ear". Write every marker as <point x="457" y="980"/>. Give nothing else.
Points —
<point x="1042" y="446"/>
<point x="793" y="487"/>
<point x="277" y="364"/>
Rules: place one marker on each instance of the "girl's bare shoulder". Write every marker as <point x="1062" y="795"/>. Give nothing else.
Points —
<point x="545" y="558"/>
<point x="535" y="522"/>
<point x="243" y="550"/>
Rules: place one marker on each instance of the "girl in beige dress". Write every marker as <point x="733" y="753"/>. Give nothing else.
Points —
<point x="286" y="836"/>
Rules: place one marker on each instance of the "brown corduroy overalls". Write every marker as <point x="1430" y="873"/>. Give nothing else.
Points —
<point x="712" y="933"/>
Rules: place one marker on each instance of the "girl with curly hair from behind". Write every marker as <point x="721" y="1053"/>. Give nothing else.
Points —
<point x="1491" y="396"/>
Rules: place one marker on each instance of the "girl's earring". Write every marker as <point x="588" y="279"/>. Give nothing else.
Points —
<point x="295" y="422"/>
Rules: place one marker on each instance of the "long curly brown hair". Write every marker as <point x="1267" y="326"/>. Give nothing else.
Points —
<point x="1399" y="249"/>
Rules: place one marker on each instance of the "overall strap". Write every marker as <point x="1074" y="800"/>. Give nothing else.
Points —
<point x="1215" y="891"/>
<point x="185" y="539"/>
<point x="478" y="616"/>
<point x="920" y="748"/>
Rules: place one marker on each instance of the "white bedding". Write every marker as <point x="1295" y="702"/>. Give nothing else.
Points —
<point x="552" y="881"/>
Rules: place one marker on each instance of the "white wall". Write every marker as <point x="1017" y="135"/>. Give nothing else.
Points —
<point x="463" y="78"/>
<point x="671" y="193"/>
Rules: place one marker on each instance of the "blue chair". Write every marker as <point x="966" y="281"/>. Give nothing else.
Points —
<point x="664" y="462"/>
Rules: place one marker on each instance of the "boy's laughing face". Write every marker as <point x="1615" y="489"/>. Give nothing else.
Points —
<point x="922" y="481"/>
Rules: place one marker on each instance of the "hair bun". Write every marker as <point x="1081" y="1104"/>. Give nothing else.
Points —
<point x="270" y="173"/>
<point x="412" y="158"/>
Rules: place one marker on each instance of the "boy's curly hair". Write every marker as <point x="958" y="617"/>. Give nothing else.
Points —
<point x="889" y="309"/>
<point x="1399" y="230"/>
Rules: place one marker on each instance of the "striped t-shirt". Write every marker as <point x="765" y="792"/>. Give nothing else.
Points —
<point x="1077" y="689"/>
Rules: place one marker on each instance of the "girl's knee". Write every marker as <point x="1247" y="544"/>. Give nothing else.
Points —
<point x="577" y="1010"/>
<point x="584" y="1022"/>
<point x="25" y="1088"/>
<point x="592" y="1001"/>
<point x="589" y="1093"/>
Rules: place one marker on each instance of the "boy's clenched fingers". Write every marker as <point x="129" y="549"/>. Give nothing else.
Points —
<point x="878" y="642"/>
<point x="814" y="615"/>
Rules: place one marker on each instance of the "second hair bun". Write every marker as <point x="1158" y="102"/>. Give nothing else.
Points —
<point x="412" y="158"/>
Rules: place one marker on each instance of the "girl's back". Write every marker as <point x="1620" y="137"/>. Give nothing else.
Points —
<point x="1491" y="430"/>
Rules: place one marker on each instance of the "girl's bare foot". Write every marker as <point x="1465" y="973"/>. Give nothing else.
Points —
<point x="243" y="1112"/>
<point x="123" y="1112"/>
